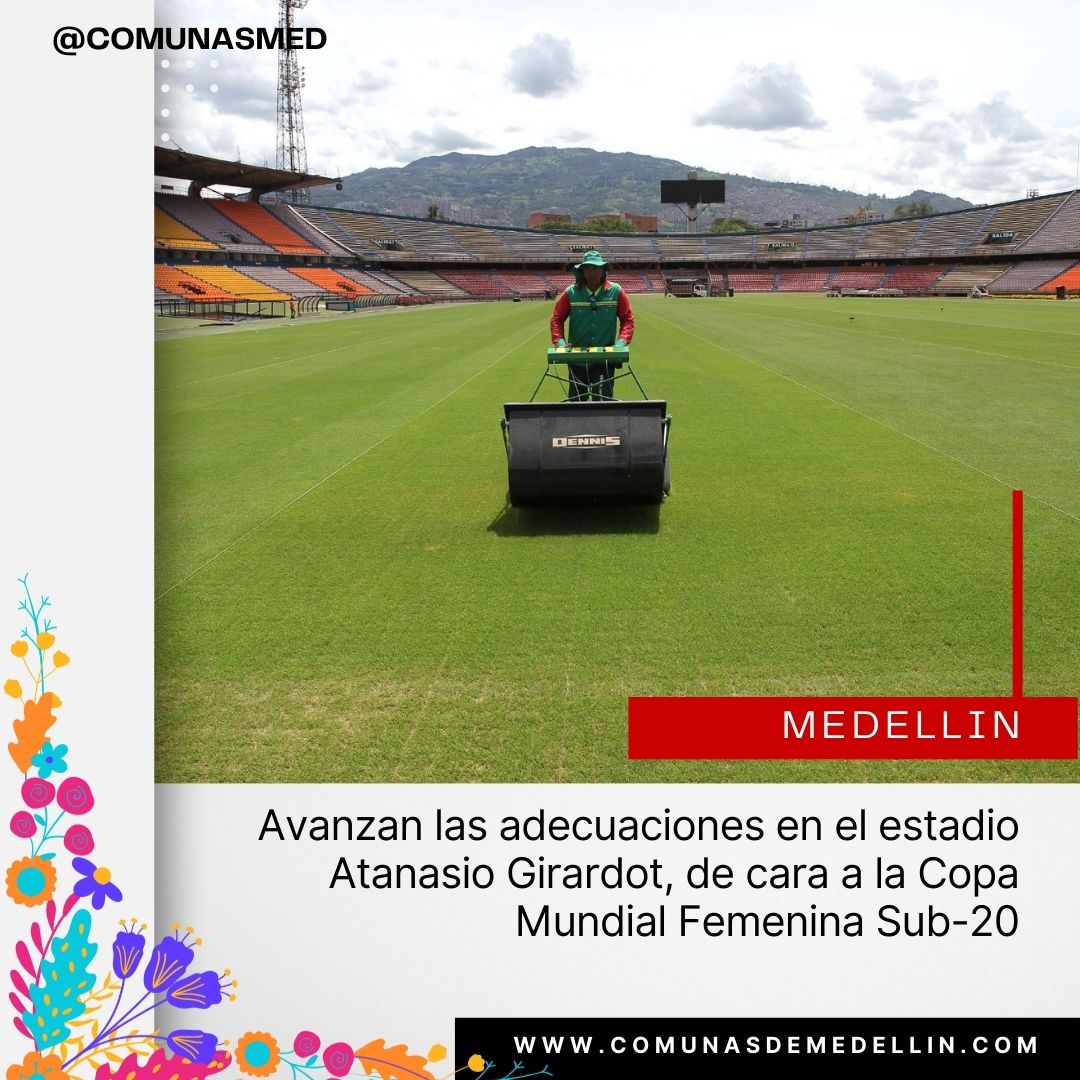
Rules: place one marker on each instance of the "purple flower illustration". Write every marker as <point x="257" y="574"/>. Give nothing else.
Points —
<point x="96" y="882"/>
<point x="75" y="796"/>
<point x="169" y="960"/>
<point x="198" y="990"/>
<point x="127" y="952"/>
<point x="197" y="1046"/>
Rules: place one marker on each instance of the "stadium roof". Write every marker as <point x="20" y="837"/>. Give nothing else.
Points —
<point x="206" y="171"/>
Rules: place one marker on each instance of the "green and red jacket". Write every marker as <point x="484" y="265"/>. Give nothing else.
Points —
<point x="595" y="318"/>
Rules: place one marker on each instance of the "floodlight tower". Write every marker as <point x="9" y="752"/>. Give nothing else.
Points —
<point x="291" y="148"/>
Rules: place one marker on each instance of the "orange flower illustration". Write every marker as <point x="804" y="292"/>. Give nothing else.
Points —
<point x="31" y="881"/>
<point x="36" y="1067"/>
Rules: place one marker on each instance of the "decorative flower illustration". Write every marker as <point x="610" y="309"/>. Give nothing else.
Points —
<point x="257" y="1053"/>
<point x="160" y="1063"/>
<point x="37" y="1067"/>
<point x="23" y="824"/>
<point x="74" y="796"/>
<point x="306" y="1043"/>
<point x="96" y="882"/>
<point x="169" y="960"/>
<point x="79" y="840"/>
<point x="338" y="1058"/>
<point x="49" y="759"/>
<point x="128" y="949"/>
<point x="97" y="1029"/>
<point x="37" y="793"/>
<point x="198" y="1047"/>
<point x="199" y="991"/>
<point x="31" y="881"/>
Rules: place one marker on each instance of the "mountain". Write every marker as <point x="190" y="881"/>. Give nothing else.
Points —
<point x="504" y="189"/>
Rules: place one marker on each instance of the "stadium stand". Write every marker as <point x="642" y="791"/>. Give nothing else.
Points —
<point x="478" y="283"/>
<point x="387" y="280"/>
<point x="289" y="217"/>
<point x="1069" y="280"/>
<point x="850" y="278"/>
<point x="430" y="284"/>
<point x="1027" y="277"/>
<point x="752" y="280"/>
<point x="805" y="280"/>
<point x="332" y="281"/>
<point x="782" y="246"/>
<point x="912" y="278"/>
<point x="483" y="243"/>
<point x="369" y="235"/>
<point x="262" y="224"/>
<point x="1022" y="219"/>
<point x="285" y="281"/>
<point x="233" y="281"/>
<point x="379" y="282"/>
<point x="887" y="239"/>
<point x="681" y="248"/>
<point x="173" y="281"/>
<point x="729" y="245"/>
<point x="170" y="233"/>
<point x="199" y="216"/>
<point x="528" y="284"/>
<point x="533" y="246"/>
<point x="233" y="250"/>
<point x="948" y="234"/>
<point x="839" y="242"/>
<point x="962" y="279"/>
<point x="1059" y="231"/>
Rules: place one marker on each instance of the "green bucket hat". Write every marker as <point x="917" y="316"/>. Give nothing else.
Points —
<point x="591" y="258"/>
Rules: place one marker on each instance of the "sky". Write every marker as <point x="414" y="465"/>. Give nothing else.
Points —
<point x="976" y="101"/>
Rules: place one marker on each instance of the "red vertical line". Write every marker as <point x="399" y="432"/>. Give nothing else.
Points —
<point x="1018" y="594"/>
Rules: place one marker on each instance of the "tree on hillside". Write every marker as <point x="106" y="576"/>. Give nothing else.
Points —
<point x="914" y="209"/>
<point x="729" y="225"/>
<point x="608" y="225"/>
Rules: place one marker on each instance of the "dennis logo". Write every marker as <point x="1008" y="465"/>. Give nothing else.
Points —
<point x="587" y="440"/>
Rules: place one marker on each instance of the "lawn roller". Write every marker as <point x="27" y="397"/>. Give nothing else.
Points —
<point x="587" y="451"/>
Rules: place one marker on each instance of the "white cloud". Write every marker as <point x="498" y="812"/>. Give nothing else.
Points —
<point x="893" y="99"/>
<point x="764" y="99"/>
<point x="545" y="67"/>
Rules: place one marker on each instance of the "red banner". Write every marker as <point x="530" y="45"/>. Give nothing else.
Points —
<point x="776" y="728"/>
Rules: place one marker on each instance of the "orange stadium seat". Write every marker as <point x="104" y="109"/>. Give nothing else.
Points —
<point x="332" y="282"/>
<point x="261" y="223"/>
<point x="232" y="281"/>
<point x="175" y="280"/>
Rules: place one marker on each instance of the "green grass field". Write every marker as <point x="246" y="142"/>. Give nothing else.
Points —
<point x="343" y="593"/>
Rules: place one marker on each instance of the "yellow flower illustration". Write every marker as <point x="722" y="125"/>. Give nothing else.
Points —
<point x="12" y="688"/>
<point x="45" y="640"/>
<point x="18" y="648"/>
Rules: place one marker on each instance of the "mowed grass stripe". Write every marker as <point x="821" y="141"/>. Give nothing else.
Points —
<point x="1007" y="420"/>
<point x="402" y="623"/>
<point x="267" y="440"/>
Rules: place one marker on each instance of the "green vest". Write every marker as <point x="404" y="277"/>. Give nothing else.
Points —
<point x="593" y="316"/>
